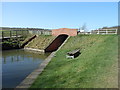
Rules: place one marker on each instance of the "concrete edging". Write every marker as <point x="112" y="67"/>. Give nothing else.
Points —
<point x="28" y="81"/>
<point x="32" y="49"/>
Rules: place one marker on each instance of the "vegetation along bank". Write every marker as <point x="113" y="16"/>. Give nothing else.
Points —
<point x="95" y="67"/>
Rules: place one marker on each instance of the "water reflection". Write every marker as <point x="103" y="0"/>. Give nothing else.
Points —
<point x="20" y="55"/>
<point x="17" y="64"/>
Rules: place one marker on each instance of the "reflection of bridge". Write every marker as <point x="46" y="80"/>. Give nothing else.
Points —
<point x="20" y="55"/>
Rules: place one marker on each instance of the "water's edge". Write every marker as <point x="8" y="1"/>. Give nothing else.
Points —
<point x="27" y="82"/>
<point x="18" y="64"/>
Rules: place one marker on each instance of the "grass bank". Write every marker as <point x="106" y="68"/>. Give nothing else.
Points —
<point x="96" y="67"/>
<point x="40" y="42"/>
<point x="13" y="43"/>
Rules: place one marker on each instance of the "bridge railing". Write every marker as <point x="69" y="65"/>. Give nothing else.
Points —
<point x="105" y="31"/>
<point x="40" y="32"/>
<point x="13" y="33"/>
<point x="102" y="31"/>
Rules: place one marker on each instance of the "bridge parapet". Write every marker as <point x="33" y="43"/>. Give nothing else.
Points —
<point x="67" y="31"/>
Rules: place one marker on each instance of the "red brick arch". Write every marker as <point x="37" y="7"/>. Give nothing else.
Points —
<point x="67" y="31"/>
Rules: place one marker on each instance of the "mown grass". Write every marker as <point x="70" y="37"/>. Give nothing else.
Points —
<point x="40" y="42"/>
<point x="96" y="67"/>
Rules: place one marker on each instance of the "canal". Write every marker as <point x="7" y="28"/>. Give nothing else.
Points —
<point x="17" y="65"/>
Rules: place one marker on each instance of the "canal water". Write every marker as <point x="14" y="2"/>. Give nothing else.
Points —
<point x="17" y="65"/>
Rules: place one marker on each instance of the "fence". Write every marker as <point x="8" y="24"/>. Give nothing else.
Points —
<point x="40" y="32"/>
<point x="19" y="33"/>
<point x="101" y="31"/>
<point x="13" y="33"/>
<point x="105" y="31"/>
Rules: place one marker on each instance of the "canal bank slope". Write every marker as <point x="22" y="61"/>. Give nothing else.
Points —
<point x="95" y="67"/>
<point x="40" y="42"/>
<point x="12" y="43"/>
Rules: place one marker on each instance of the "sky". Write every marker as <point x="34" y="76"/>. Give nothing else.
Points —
<point x="53" y="15"/>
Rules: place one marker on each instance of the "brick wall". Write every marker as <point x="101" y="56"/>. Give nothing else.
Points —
<point x="70" y="32"/>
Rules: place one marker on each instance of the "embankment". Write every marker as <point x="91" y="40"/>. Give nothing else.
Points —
<point x="16" y="43"/>
<point x="27" y="82"/>
<point x="40" y="42"/>
<point x="7" y="45"/>
<point x="96" y="67"/>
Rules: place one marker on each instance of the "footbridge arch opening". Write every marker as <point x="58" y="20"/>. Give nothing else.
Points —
<point x="56" y="43"/>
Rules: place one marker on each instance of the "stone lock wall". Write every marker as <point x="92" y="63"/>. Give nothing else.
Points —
<point x="70" y="32"/>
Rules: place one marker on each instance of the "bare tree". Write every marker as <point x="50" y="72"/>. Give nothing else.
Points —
<point x="84" y="27"/>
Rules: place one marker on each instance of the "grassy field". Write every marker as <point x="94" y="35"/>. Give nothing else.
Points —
<point x="40" y="42"/>
<point x="96" y="67"/>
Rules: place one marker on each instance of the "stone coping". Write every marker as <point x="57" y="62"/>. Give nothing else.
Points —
<point x="32" y="49"/>
<point x="27" y="82"/>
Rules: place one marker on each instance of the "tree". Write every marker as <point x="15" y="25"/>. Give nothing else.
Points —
<point x="84" y="27"/>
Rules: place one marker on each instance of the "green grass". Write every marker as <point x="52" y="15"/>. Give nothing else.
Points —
<point x="96" y="67"/>
<point x="40" y="42"/>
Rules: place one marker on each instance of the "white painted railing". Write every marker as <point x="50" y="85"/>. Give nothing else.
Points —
<point x="101" y="31"/>
<point x="107" y="31"/>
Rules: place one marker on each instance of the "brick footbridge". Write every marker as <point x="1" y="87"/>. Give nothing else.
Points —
<point x="62" y="34"/>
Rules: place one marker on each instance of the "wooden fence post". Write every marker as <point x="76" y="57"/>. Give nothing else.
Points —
<point x="10" y="34"/>
<point x="116" y="31"/>
<point x="16" y="34"/>
<point x="2" y="34"/>
<point x="98" y="32"/>
<point x="106" y="31"/>
<point x="22" y="32"/>
<point x="27" y="31"/>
